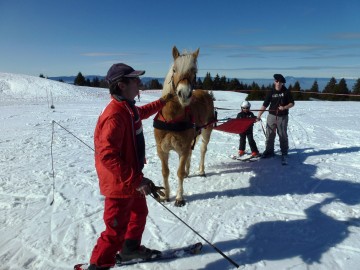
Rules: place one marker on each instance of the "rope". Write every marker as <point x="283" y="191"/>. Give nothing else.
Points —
<point x="227" y="109"/>
<point x="52" y="156"/>
<point x="301" y="91"/>
<point x="263" y="129"/>
<point x="54" y="122"/>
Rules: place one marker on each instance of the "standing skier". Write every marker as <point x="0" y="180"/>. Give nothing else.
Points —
<point x="119" y="160"/>
<point x="280" y="101"/>
<point x="246" y="113"/>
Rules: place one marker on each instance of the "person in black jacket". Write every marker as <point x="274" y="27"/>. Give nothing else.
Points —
<point x="280" y="101"/>
<point x="246" y="113"/>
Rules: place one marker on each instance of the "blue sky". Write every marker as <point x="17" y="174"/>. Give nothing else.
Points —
<point x="242" y="39"/>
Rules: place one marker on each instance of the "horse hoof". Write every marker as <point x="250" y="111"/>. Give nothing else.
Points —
<point x="202" y="174"/>
<point x="164" y="199"/>
<point x="179" y="203"/>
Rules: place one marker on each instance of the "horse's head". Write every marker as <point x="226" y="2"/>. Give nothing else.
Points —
<point x="182" y="77"/>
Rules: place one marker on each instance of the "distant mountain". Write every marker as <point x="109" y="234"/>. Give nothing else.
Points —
<point x="305" y="83"/>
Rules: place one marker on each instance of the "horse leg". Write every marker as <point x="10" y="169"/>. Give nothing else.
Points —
<point x="187" y="166"/>
<point x="205" y="137"/>
<point x="179" y="201"/>
<point x="164" y="157"/>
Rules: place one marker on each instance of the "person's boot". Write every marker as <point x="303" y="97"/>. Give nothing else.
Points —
<point x="241" y="153"/>
<point x="132" y="250"/>
<point x="267" y="154"/>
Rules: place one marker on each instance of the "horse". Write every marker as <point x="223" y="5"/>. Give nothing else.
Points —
<point x="187" y="116"/>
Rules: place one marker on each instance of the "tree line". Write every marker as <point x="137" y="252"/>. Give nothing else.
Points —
<point x="333" y="90"/>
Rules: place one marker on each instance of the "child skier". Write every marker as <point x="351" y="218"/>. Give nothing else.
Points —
<point x="246" y="113"/>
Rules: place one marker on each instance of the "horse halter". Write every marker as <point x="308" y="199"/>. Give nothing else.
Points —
<point x="192" y="83"/>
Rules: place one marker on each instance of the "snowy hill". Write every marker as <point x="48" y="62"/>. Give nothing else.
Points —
<point x="261" y="214"/>
<point x="23" y="87"/>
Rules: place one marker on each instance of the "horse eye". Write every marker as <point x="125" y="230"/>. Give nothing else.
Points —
<point x="174" y="70"/>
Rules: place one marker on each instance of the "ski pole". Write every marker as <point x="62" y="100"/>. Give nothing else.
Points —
<point x="213" y="246"/>
<point x="262" y="127"/>
<point x="53" y="175"/>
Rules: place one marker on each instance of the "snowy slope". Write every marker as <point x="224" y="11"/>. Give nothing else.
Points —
<point x="262" y="215"/>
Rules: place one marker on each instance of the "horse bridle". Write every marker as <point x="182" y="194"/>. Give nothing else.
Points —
<point x="192" y="83"/>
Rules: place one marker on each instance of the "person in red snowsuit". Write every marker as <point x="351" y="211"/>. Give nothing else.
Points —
<point x="119" y="160"/>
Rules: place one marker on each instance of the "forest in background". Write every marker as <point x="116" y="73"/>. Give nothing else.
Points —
<point x="334" y="90"/>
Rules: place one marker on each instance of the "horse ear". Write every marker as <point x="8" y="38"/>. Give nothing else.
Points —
<point x="196" y="53"/>
<point x="175" y="52"/>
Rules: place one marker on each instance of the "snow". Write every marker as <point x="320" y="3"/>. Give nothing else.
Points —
<point x="262" y="215"/>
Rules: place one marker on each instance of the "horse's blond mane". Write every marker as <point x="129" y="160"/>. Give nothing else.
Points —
<point x="183" y="64"/>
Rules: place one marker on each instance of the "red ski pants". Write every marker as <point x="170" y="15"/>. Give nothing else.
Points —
<point x="124" y="218"/>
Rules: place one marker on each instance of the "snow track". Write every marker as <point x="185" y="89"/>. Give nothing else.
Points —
<point x="266" y="216"/>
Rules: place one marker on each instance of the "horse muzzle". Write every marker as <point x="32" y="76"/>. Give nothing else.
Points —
<point x="184" y="93"/>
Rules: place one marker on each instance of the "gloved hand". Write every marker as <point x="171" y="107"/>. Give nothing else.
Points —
<point x="144" y="186"/>
<point x="167" y="97"/>
<point x="147" y="186"/>
<point x="156" y="191"/>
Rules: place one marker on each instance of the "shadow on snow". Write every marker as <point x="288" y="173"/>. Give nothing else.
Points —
<point x="307" y="238"/>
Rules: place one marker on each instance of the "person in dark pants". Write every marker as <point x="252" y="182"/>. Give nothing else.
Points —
<point x="280" y="101"/>
<point x="246" y="113"/>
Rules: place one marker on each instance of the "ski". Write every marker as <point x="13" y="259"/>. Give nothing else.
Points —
<point x="245" y="159"/>
<point x="170" y="254"/>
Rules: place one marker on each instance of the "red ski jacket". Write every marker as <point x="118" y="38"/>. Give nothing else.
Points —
<point x="116" y="159"/>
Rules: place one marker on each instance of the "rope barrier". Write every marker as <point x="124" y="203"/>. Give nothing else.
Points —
<point x="54" y="122"/>
<point x="302" y="92"/>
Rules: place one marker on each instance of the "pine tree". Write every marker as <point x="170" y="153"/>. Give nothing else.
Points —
<point x="314" y="90"/>
<point x="95" y="82"/>
<point x="255" y="93"/>
<point x="330" y="89"/>
<point x="356" y="90"/>
<point x="216" y="83"/>
<point x="315" y="87"/>
<point x="342" y="90"/>
<point x="223" y="83"/>
<point x="234" y="84"/>
<point x="199" y="84"/>
<point x="356" y="87"/>
<point x="297" y="93"/>
<point x="79" y="80"/>
<point x="208" y="82"/>
<point x="154" y="84"/>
